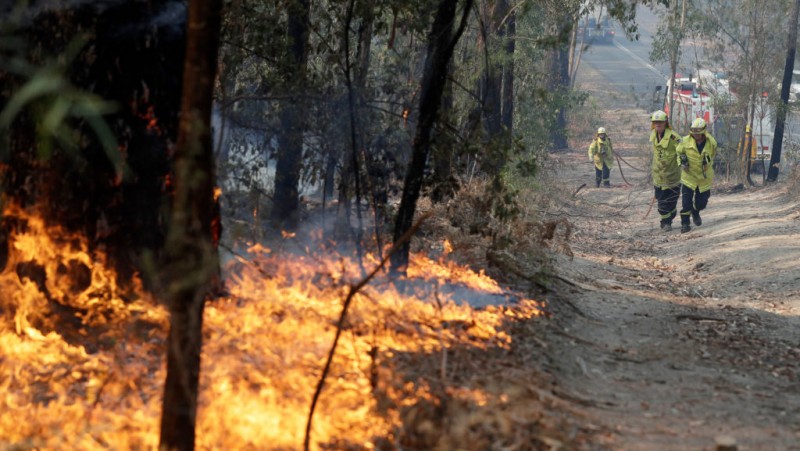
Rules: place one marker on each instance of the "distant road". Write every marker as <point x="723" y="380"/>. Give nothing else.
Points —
<point x="625" y="64"/>
<point x="626" y="68"/>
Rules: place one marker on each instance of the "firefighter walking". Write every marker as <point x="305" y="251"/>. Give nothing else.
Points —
<point x="696" y="153"/>
<point x="601" y="153"/>
<point x="665" y="169"/>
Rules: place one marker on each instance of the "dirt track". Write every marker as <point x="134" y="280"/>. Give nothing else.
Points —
<point x="677" y="341"/>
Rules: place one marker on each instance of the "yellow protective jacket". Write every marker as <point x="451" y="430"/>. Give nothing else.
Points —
<point x="601" y="152"/>
<point x="701" y="168"/>
<point x="666" y="170"/>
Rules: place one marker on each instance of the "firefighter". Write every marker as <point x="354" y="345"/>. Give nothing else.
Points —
<point x="696" y="153"/>
<point x="602" y="154"/>
<point x="665" y="169"/>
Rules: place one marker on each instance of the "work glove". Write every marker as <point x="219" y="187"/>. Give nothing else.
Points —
<point x="684" y="161"/>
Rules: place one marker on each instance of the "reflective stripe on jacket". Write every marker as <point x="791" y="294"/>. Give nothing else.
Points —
<point x="600" y="152"/>
<point x="666" y="169"/>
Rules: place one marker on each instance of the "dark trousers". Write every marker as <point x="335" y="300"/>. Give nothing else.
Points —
<point x="692" y="201"/>
<point x="601" y="174"/>
<point x="667" y="203"/>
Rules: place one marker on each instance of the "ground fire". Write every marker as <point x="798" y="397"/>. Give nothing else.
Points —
<point x="82" y="359"/>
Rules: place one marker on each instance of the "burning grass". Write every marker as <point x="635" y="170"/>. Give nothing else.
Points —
<point x="81" y="359"/>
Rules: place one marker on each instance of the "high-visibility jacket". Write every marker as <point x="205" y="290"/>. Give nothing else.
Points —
<point x="665" y="167"/>
<point x="601" y="152"/>
<point x="701" y="163"/>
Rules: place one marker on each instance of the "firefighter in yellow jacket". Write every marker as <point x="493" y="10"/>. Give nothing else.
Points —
<point x="602" y="154"/>
<point x="665" y="169"/>
<point x="696" y="156"/>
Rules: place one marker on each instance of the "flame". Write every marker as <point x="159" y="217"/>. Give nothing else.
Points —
<point x="447" y="247"/>
<point x="149" y="117"/>
<point x="82" y="359"/>
<point x="72" y="342"/>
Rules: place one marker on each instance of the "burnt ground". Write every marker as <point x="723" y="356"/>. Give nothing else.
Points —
<point x="668" y="340"/>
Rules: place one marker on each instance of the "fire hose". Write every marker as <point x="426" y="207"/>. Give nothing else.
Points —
<point x="619" y="158"/>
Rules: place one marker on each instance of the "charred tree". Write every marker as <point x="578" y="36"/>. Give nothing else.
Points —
<point x="443" y="183"/>
<point x="441" y="42"/>
<point x="286" y="199"/>
<point x="192" y="262"/>
<point x="492" y="88"/>
<point x="780" y="121"/>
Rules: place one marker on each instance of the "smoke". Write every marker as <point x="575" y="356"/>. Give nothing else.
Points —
<point x="168" y="19"/>
<point x="166" y="16"/>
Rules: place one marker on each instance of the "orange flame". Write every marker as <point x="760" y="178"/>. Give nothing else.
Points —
<point x="150" y="118"/>
<point x="81" y="359"/>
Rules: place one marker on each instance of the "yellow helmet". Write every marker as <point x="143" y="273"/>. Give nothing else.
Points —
<point x="698" y="126"/>
<point x="601" y="131"/>
<point x="658" y="116"/>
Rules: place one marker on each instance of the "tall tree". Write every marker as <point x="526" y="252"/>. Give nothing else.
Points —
<point x="791" y="49"/>
<point x="192" y="262"/>
<point x="507" y="118"/>
<point x="753" y="33"/>
<point x="441" y="42"/>
<point x="290" y="138"/>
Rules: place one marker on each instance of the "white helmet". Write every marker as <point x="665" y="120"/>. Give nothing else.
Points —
<point x="601" y="131"/>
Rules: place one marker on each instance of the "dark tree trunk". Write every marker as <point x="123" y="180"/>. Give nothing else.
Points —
<point x="508" y="76"/>
<point x="443" y="184"/>
<point x="559" y="82"/>
<point x="780" y="122"/>
<point x="493" y="75"/>
<point x="192" y="262"/>
<point x="560" y="141"/>
<point x="290" y="140"/>
<point x="441" y="42"/>
<point x="492" y="92"/>
<point x="492" y="86"/>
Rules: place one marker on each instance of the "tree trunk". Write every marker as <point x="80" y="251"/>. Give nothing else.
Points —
<point x="192" y="262"/>
<point x="564" y="85"/>
<point x="507" y="118"/>
<point x="292" y="117"/>
<point x="441" y="42"/>
<point x="558" y="137"/>
<point x="575" y="48"/>
<point x="493" y="76"/>
<point x="791" y="48"/>
<point x="673" y="61"/>
<point x="443" y="184"/>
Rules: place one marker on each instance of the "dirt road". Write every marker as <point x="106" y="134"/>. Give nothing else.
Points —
<point x="678" y="341"/>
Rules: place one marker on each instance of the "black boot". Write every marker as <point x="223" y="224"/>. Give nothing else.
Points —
<point x="696" y="218"/>
<point x="666" y="226"/>
<point x="685" y="227"/>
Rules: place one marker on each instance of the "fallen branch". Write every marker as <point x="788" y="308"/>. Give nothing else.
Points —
<point x="354" y="289"/>
<point x="652" y="201"/>
<point x="620" y="170"/>
<point x="697" y="317"/>
<point x="626" y="162"/>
